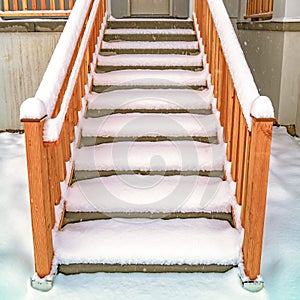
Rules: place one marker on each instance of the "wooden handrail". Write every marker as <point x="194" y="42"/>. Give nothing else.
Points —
<point x="36" y="8"/>
<point x="49" y="163"/>
<point x="259" y="9"/>
<point x="247" y="125"/>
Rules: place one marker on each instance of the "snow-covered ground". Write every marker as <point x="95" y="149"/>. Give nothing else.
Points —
<point x="280" y="267"/>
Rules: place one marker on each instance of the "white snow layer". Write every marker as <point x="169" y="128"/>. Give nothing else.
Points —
<point x="151" y="99"/>
<point x="140" y="241"/>
<point x="141" y="124"/>
<point x="111" y="18"/>
<point x="152" y="78"/>
<point x="137" y="31"/>
<point x="280" y="261"/>
<point x="150" y="60"/>
<point x="154" y="194"/>
<point x="153" y="156"/>
<point x="150" y="45"/>
<point x="243" y="80"/>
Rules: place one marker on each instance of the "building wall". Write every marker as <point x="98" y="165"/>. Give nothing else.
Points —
<point x="271" y="49"/>
<point x="24" y="57"/>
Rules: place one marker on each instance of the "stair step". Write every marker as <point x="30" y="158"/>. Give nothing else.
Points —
<point x="149" y="61"/>
<point x="139" y="100"/>
<point x="150" y="156"/>
<point x="150" y="23"/>
<point x="144" y="242"/>
<point x="151" y="79"/>
<point x="150" y="194"/>
<point x="76" y="217"/>
<point x="139" y="127"/>
<point x="177" y="47"/>
<point x="133" y="34"/>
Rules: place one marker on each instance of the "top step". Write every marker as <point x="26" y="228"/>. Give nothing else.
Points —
<point x="150" y="23"/>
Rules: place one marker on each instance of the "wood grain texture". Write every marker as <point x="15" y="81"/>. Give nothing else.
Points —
<point x="42" y="211"/>
<point x="259" y="159"/>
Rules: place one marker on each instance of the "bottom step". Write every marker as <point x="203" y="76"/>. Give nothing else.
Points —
<point x="137" y="245"/>
<point x="106" y="268"/>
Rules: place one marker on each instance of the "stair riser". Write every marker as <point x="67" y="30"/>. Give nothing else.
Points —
<point x="149" y="51"/>
<point x="165" y="24"/>
<point x="149" y="37"/>
<point x="106" y="88"/>
<point x="96" y="113"/>
<point x="72" y="269"/>
<point x="102" y="69"/>
<point x="75" y="217"/>
<point x="83" y="174"/>
<point x="91" y="141"/>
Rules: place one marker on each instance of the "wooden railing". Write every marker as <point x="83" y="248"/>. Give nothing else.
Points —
<point x="247" y="121"/>
<point x="259" y="9"/>
<point x="50" y="121"/>
<point x="36" y="8"/>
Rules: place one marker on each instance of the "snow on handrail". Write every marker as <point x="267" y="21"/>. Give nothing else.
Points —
<point x="251" y="102"/>
<point x="55" y="74"/>
<point x="54" y="125"/>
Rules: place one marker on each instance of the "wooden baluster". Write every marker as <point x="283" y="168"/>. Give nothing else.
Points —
<point x="15" y="5"/>
<point x="61" y="4"/>
<point x="43" y="4"/>
<point x="54" y="180"/>
<point x="230" y="117"/>
<point x="71" y="4"/>
<point x="33" y="5"/>
<point x="245" y="175"/>
<point x="6" y="5"/>
<point x="241" y="158"/>
<point x="217" y="71"/>
<point x="41" y="210"/>
<point x="221" y="78"/>
<point x="235" y="136"/>
<point x="60" y="160"/>
<point x="261" y="135"/>
<point x="52" y="4"/>
<point x="223" y="95"/>
<point x="24" y="5"/>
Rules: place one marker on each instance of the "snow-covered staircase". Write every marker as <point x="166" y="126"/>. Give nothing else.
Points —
<point x="149" y="192"/>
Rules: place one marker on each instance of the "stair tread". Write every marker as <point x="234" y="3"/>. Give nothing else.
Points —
<point x="141" y="124"/>
<point x="151" y="60"/>
<point x="150" y="194"/>
<point x="150" y="45"/>
<point x="141" y="241"/>
<point x="151" y="156"/>
<point x="151" y="78"/>
<point x="138" y="31"/>
<point x="151" y="99"/>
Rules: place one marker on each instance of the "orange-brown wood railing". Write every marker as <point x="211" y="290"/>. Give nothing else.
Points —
<point x="36" y="8"/>
<point x="248" y="151"/>
<point x="46" y="161"/>
<point x="259" y="9"/>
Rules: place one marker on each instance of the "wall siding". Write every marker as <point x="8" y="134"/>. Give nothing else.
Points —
<point x="23" y="61"/>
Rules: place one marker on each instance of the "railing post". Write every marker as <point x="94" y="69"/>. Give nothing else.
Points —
<point x="42" y="212"/>
<point x="254" y="206"/>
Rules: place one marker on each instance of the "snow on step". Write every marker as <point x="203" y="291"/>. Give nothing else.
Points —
<point x="140" y="241"/>
<point x="151" y="99"/>
<point x="152" y="78"/>
<point x="151" y="156"/>
<point x="150" y="45"/>
<point x="150" y="60"/>
<point x="150" y="31"/>
<point x="153" y="194"/>
<point x="141" y="124"/>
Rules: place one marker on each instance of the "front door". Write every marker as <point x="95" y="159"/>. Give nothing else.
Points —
<point x="150" y="8"/>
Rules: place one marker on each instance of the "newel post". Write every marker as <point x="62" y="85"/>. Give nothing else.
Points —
<point x="255" y="204"/>
<point x="42" y="212"/>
